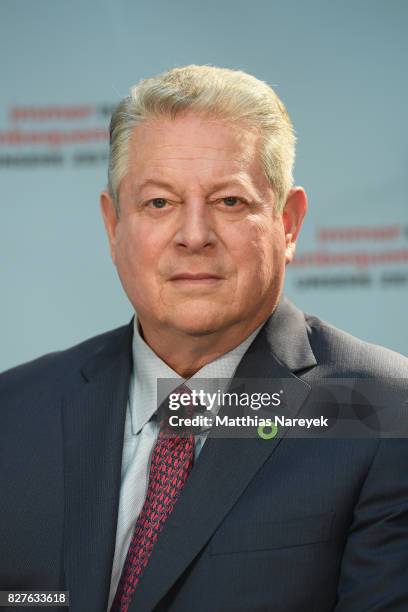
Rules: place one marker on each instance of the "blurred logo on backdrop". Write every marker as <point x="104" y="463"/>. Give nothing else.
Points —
<point x="55" y="136"/>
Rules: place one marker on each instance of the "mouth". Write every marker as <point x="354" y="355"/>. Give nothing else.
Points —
<point x="199" y="279"/>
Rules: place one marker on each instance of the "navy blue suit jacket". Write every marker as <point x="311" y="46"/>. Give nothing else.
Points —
<point x="286" y="525"/>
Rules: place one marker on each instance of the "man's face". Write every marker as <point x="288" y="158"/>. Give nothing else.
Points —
<point x="197" y="244"/>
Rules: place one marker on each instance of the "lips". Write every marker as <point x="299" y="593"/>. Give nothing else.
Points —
<point x="195" y="277"/>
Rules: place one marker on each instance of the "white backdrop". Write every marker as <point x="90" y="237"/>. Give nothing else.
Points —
<point x="340" y="69"/>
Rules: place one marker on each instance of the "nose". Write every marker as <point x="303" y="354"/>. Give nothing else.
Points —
<point x="195" y="231"/>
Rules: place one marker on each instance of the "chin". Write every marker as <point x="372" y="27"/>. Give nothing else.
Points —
<point x="197" y="321"/>
<point x="196" y="328"/>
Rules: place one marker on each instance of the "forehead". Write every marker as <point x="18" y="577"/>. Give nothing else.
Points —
<point x="193" y="143"/>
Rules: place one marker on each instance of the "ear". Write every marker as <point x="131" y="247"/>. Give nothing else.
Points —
<point x="292" y="216"/>
<point x="110" y="219"/>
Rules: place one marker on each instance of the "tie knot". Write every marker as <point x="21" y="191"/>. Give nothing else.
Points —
<point x="178" y="409"/>
<point x="186" y="400"/>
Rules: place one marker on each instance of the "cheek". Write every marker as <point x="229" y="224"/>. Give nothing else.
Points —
<point x="134" y="246"/>
<point x="135" y="257"/>
<point x="260" y="258"/>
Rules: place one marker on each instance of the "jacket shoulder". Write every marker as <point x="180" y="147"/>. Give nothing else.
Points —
<point x="64" y="365"/>
<point x="344" y="354"/>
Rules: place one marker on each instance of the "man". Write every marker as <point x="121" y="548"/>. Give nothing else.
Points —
<point x="202" y="217"/>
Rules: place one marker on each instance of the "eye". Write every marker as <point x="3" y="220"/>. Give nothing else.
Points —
<point x="232" y="201"/>
<point x="157" y="203"/>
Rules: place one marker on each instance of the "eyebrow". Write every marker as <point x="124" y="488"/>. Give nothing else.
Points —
<point x="214" y="186"/>
<point x="155" y="183"/>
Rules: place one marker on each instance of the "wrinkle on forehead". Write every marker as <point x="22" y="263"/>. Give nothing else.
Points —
<point x="204" y="147"/>
<point x="181" y="145"/>
<point x="206" y="183"/>
<point x="237" y="160"/>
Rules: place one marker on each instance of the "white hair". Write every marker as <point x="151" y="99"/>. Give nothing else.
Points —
<point x="220" y="93"/>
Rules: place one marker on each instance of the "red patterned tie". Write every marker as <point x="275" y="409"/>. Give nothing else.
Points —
<point x="171" y="463"/>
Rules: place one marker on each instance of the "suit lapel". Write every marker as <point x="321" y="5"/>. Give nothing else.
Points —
<point x="226" y="466"/>
<point x="93" y="422"/>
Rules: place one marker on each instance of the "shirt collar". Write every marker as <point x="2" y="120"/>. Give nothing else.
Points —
<point x="148" y="367"/>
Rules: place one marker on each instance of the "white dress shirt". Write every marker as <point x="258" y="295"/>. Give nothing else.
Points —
<point x="141" y="430"/>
